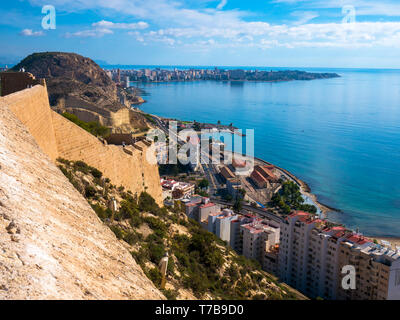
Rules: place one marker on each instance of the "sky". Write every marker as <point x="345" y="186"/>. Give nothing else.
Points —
<point x="268" y="33"/>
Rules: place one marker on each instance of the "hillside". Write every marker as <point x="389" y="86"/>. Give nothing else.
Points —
<point x="53" y="246"/>
<point x="201" y="266"/>
<point x="78" y="85"/>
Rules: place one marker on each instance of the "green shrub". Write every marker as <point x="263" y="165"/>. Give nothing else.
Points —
<point x="159" y="227"/>
<point x="156" y="252"/>
<point x="81" y="166"/>
<point x="64" y="161"/>
<point x="102" y="212"/>
<point x="170" y="294"/>
<point x="90" y="192"/>
<point x="96" y="173"/>
<point x="131" y="238"/>
<point x="155" y="276"/>
<point x="136" y="221"/>
<point x="92" y="127"/>
<point x="119" y="233"/>
<point x="147" y="203"/>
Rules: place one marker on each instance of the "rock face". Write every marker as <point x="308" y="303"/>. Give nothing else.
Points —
<point x="78" y="85"/>
<point x="52" y="244"/>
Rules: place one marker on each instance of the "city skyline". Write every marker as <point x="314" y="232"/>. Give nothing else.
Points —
<point x="274" y="33"/>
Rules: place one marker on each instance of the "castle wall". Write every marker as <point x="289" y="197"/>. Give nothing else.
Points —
<point x="131" y="170"/>
<point x="31" y="106"/>
<point x="59" y="137"/>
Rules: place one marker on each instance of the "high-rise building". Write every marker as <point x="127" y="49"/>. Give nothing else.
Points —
<point x="377" y="270"/>
<point x="313" y="252"/>
<point x="260" y="239"/>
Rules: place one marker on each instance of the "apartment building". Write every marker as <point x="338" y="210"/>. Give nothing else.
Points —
<point x="236" y="241"/>
<point x="206" y="209"/>
<point x="312" y="253"/>
<point x="293" y="249"/>
<point x="223" y="225"/>
<point x="377" y="270"/>
<point x="260" y="240"/>
<point x="199" y="208"/>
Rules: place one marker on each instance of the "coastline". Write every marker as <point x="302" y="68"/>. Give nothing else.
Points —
<point x="325" y="209"/>
<point x="394" y="241"/>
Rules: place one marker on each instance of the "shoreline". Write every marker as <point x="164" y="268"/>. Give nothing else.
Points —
<point x="325" y="209"/>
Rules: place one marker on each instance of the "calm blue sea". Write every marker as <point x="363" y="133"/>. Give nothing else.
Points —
<point x="341" y="136"/>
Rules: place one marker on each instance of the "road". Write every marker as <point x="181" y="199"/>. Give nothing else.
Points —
<point x="210" y="172"/>
<point x="257" y="211"/>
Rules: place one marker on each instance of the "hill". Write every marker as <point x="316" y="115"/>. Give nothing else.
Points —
<point x="76" y="84"/>
<point x="201" y="266"/>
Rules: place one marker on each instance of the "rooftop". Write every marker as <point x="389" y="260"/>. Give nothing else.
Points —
<point x="207" y="205"/>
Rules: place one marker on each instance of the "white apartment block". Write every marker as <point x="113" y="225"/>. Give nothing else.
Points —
<point x="223" y="225"/>
<point x="259" y="241"/>
<point x="312" y="253"/>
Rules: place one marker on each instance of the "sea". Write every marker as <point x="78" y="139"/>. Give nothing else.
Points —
<point x="341" y="135"/>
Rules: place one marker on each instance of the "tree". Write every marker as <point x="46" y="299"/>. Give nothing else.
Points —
<point x="238" y="205"/>
<point x="177" y="194"/>
<point x="203" y="184"/>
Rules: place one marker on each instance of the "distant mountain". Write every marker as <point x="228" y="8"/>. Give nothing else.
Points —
<point x="78" y="85"/>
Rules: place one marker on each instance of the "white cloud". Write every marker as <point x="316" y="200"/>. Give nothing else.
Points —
<point x="112" y="25"/>
<point x="173" y="22"/>
<point x="95" y="33"/>
<point x="304" y="16"/>
<point x="31" y="33"/>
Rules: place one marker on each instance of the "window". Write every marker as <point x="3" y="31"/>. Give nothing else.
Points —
<point x="397" y="278"/>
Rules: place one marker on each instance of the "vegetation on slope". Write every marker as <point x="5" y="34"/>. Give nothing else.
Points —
<point x="200" y="265"/>
<point x="94" y="128"/>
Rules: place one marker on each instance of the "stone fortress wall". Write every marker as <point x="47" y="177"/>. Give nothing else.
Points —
<point x="58" y="137"/>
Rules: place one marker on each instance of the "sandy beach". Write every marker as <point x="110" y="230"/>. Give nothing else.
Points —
<point x="393" y="241"/>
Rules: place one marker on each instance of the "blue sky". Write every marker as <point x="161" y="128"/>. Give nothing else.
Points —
<point x="292" y="33"/>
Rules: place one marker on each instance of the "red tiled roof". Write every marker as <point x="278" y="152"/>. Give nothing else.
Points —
<point x="227" y="173"/>
<point x="191" y="204"/>
<point x="265" y="172"/>
<point x="257" y="177"/>
<point x="207" y="205"/>
<point x="299" y="213"/>
<point x="359" y="239"/>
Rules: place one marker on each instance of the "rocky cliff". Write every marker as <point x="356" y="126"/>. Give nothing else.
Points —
<point x="78" y="85"/>
<point x="53" y="245"/>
